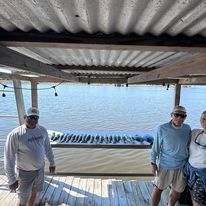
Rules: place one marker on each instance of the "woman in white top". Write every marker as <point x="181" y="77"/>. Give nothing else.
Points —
<point x="195" y="170"/>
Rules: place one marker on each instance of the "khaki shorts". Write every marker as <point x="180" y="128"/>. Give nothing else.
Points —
<point x="166" y="177"/>
<point x="29" y="181"/>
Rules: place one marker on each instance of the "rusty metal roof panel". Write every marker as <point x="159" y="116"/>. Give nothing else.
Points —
<point x="172" y="17"/>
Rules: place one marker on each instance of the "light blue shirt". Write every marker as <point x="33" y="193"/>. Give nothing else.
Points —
<point x="170" y="146"/>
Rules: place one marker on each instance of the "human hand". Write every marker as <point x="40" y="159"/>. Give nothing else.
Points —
<point x="154" y="169"/>
<point x="14" y="186"/>
<point x="52" y="169"/>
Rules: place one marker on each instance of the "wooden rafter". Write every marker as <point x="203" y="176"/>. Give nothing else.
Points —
<point x="8" y="57"/>
<point x="13" y="76"/>
<point x="103" y="41"/>
<point x="74" y="68"/>
<point x="193" y="81"/>
<point x="193" y="66"/>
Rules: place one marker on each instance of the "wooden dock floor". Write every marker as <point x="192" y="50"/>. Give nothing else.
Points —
<point x="79" y="191"/>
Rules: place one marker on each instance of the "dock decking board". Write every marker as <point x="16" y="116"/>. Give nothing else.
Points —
<point x="77" y="191"/>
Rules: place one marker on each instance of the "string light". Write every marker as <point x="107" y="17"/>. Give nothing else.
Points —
<point x="52" y="87"/>
<point x="3" y="94"/>
<point x="55" y="92"/>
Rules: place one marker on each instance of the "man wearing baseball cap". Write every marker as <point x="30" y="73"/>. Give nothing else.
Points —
<point x="25" y="149"/>
<point x="169" y="155"/>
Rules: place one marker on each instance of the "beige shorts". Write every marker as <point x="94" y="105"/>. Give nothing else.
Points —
<point x="166" y="177"/>
<point x="29" y="181"/>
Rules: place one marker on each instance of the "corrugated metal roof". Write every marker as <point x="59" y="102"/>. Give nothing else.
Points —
<point x="156" y="17"/>
<point x="114" y="58"/>
<point x="124" y="16"/>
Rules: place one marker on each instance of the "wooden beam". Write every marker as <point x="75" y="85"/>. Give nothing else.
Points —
<point x="5" y="76"/>
<point x="103" y="46"/>
<point x="112" y="41"/>
<point x="13" y="76"/>
<point x="193" y="81"/>
<point x="12" y="58"/>
<point x="195" y="65"/>
<point x="74" y="68"/>
<point x="103" y="80"/>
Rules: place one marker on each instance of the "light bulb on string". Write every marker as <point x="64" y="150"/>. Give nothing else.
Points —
<point x="55" y="92"/>
<point x="3" y="94"/>
<point x="168" y="85"/>
<point x="5" y="86"/>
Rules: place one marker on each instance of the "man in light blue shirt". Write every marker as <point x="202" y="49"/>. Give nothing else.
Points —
<point x="168" y="156"/>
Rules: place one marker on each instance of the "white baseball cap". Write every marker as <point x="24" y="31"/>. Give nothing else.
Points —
<point x="32" y="111"/>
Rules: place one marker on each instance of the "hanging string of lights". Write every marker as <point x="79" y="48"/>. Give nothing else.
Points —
<point x="23" y="88"/>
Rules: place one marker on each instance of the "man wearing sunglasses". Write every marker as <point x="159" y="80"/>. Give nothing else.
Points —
<point x="25" y="150"/>
<point x="168" y="156"/>
<point x="195" y="169"/>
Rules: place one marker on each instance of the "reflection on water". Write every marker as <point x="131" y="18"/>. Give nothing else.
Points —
<point x="90" y="107"/>
<point x="102" y="160"/>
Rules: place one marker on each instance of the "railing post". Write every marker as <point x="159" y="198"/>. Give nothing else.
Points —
<point x="34" y="94"/>
<point x="19" y="100"/>
<point x="177" y="94"/>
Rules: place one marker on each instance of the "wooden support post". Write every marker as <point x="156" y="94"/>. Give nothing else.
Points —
<point x="34" y="94"/>
<point x="177" y="94"/>
<point x="19" y="100"/>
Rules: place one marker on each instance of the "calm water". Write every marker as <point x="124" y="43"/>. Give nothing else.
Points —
<point x="94" y="107"/>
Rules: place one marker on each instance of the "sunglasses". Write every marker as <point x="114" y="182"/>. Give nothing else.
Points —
<point x="198" y="143"/>
<point x="32" y="117"/>
<point x="179" y="115"/>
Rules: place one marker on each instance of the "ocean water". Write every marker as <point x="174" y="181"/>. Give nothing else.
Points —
<point x="103" y="107"/>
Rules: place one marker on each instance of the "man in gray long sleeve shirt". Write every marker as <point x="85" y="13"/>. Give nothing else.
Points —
<point x="25" y="149"/>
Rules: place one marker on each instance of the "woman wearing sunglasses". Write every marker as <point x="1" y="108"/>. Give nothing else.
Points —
<point x="195" y="169"/>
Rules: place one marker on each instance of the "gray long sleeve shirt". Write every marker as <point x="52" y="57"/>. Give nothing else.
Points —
<point x="26" y="148"/>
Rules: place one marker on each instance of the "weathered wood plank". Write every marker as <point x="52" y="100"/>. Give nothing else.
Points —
<point x="66" y="190"/>
<point x="129" y="193"/>
<point x="121" y="193"/>
<point x="6" y="197"/>
<point x="58" y="190"/>
<point x="89" y="192"/>
<point x="138" y="193"/>
<point x="47" y="181"/>
<point x="3" y="187"/>
<point x="183" y="68"/>
<point x="113" y="194"/>
<point x="74" y="190"/>
<point x="97" y="192"/>
<point x="13" y="201"/>
<point x="145" y="193"/>
<point x="9" y="198"/>
<point x="105" y="192"/>
<point x="50" y="190"/>
<point x="164" y="196"/>
<point x="82" y="190"/>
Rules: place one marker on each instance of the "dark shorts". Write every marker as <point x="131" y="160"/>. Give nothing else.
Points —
<point x="199" y="194"/>
<point x="29" y="181"/>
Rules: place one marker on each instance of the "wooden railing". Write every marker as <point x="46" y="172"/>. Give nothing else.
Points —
<point x="92" y="146"/>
